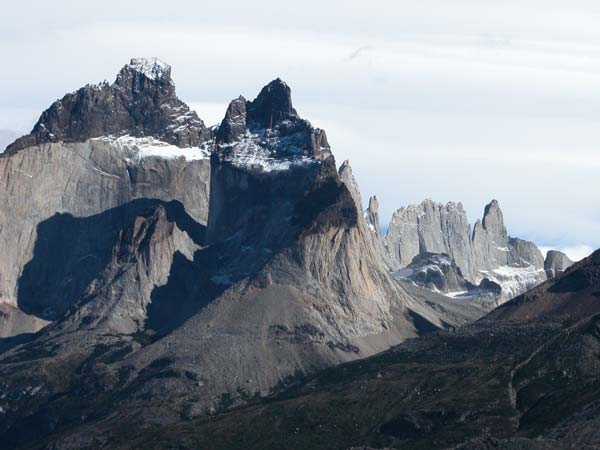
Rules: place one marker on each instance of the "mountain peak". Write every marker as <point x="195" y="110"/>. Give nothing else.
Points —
<point x="152" y="68"/>
<point x="493" y="218"/>
<point x="141" y="102"/>
<point x="272" y="105"/>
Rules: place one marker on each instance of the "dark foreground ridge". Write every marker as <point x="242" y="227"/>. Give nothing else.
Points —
<point x="523" y="378"/>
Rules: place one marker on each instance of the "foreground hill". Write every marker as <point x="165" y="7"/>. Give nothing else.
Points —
<point x="526" y="377"/>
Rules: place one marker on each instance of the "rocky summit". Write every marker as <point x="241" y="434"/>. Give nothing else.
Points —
<point x="141" y="102"/>
<point x="155" y="271"/>
<point x="485" y="253"/>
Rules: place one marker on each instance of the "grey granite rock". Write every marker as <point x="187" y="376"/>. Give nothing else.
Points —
<point x="434" y="228"/>
<point x="488" y="252"/>
<point x="556" y="263"/>
<point x="490" y="239"/>
<point x="372" y="215"/>
<point x="41" y="186"/>
<point x="435" y="271"/>
<point x="439" y="272"/>
<point x="347" y="177"/>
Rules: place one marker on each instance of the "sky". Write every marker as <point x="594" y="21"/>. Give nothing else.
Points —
<point x="465" y="101"/>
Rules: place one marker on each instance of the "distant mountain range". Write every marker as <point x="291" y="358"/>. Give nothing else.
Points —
<point x="485" y="253"/>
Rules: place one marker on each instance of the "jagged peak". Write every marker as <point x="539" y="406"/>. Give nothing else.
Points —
<point x="141" y="102"/>
<point x="152" y="68"/>
<point x="373" y="203"/>
<point x="344" y="167"/>
<point x="492" y="214"/>
<point x="491" y="206"/>
<point x="428" y="203"/>
<point x="272" y="105"/>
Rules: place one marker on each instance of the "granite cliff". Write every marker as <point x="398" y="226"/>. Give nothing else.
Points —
<point x="486" y="252"/>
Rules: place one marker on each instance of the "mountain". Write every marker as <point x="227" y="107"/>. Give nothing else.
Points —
<point x="438" y="272"/>
<point x="155" y="270"/>
<point x="488" y="252"/>
<point x="556" y="263"/>
<point x="433" y="228"/>
<point x="525" y="377"/>
<point x="141" y="102"/>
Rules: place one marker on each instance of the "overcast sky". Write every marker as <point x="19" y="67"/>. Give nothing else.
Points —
<point x="462" y="100"/>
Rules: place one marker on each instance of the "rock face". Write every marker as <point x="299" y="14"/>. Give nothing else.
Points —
<point x="49" y="253"/>
<point x="488" y="252"/>
<point x="372" y="216"/>
<point x="347" y="177"/>
<point x="433" y="228"/>
<point x="141" y="102"/>
<point x="435" y="271"/>
<point x="181" y="271"/>
<point x="490" y="239"/>
<point x="439" y="272"/>
<point x="556" y="263"/>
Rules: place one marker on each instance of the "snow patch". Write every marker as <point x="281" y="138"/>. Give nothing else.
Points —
<point x="136" y="148"/>
<point x="153" y="68"/>
<point x="260" y="152"/>
<point x="457" y="294"/>
<point x="515" y="280"/>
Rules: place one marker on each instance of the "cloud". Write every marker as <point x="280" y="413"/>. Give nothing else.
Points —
<point x="575" y="253"/>
<point x="360" y="51"/>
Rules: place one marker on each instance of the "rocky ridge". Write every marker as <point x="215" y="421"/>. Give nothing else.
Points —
<point x="488" y="252"/>
<point x="556" y="263"/>
<point x="141" y="102"/>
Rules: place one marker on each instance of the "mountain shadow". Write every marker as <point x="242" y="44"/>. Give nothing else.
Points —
<point x="71" y="251"/>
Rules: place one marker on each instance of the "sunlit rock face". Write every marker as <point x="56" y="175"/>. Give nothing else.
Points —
<point x="488" y="252"/>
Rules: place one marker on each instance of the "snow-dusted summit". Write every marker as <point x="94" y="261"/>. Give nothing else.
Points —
<point x="152" y="68"/>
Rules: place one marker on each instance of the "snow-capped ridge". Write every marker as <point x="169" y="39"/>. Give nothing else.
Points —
<point x="153" y="68"/>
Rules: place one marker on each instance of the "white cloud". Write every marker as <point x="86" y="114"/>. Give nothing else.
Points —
<point x="575" y="253"/>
